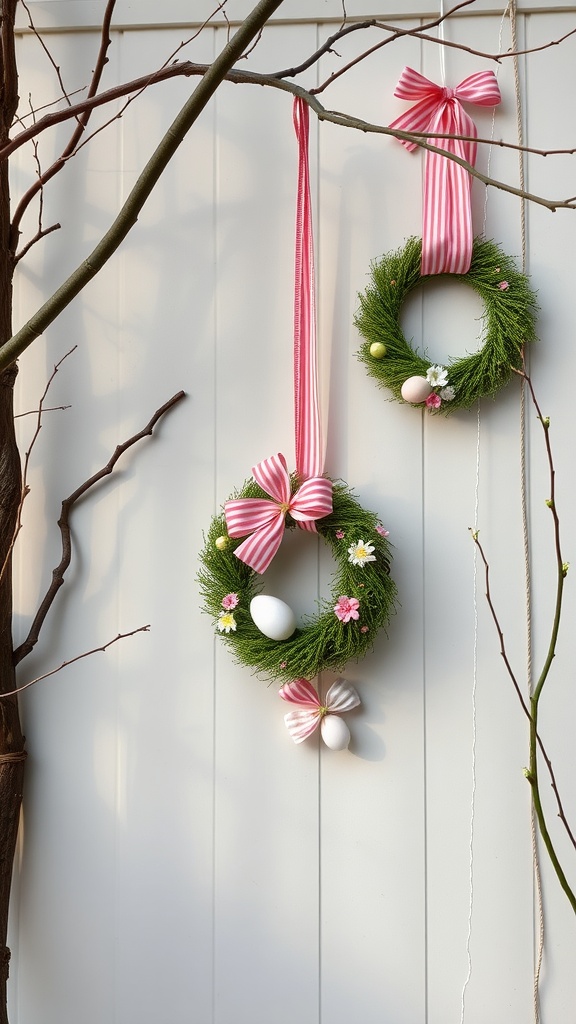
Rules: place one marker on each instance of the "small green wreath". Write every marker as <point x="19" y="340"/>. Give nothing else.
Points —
<point x="362" y="599"/>
<point x="510" y="312"/>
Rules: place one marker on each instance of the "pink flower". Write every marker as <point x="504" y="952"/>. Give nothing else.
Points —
<point x="363" y="629"/>
<point x="433" y="401"/>
<point x="382" y="531"/>
<point x="283" y="664"/>
<point x="340" y="534"/>
<point x="230" y="601"/>
<point x="503" y="286"/>
<point x="347" y="608"/>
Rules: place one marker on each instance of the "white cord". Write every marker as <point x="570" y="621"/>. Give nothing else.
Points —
<point x="475" y="609"/>
<point x="442" y="48"/>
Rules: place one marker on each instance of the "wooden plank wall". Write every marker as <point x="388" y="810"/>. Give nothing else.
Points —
<point x="181" y="860"/>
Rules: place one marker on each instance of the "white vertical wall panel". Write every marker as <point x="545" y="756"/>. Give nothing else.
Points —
<point x="373" y="810"/>
<point x="181" y="859"/>
<point x="266" y="804"/>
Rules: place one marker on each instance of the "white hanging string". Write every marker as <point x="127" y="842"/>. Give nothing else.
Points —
<point x="442" y="48"/>
<point x="475" y="617"/>
<point x="524" y="501"/>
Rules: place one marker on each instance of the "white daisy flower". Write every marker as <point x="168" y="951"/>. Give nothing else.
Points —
<point x="447" y="394"/>
<point x="361" y="553"/>
<point x="437" y="376"/>
<point x="226" y="622"/>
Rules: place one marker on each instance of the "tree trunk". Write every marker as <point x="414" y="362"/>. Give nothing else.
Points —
<point x="12" y="754"/>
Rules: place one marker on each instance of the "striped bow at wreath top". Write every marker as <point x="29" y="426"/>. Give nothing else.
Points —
<point x="264" y="519"/>
<point x="447" y="234"/>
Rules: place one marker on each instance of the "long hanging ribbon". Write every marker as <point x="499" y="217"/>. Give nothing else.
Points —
<point x="309" y="460"/>
<point x="447" y="234"/>
<point x="264" y="519"/>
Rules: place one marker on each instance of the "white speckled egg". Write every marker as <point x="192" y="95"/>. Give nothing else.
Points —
<point x="335" y="732"/>
<point x="415" y="390"/>
<point x="273" y="617"/>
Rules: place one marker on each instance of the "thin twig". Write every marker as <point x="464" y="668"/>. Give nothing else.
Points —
<point x="48" y="408"/>
<point x="35" y="238"/>
<point x="499" y="630"/>
<point x="143" y="186"/>
<point x="535" y="741"/>
<point x="71" y="661"/>
<point x="25" y="490"/>
<point x="361" y="26"/>
<point x="188" y="69"/>
<point x="518" y="690"/>
<point x="150" y="80"/>
<point x="82" y="118"/>
<point x="59" y="572"/>
<point x="47" y="51"/>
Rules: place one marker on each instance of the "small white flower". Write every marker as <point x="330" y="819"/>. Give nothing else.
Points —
<point x="361" y="553"/>
<point x="226" y="622"/>
<point x="447" y="394"/>
<point x="437" y="376"/>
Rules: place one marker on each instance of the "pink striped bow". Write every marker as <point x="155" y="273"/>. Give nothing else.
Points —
<point x="341" y="697"/>
<point x="264" y="519"/>
<point x="447" y="235"/>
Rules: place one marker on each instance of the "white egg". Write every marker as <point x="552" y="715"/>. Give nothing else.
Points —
<point x="273" y="617"/>
<point x="415" y="390"/>
<point x="335" y="732"/>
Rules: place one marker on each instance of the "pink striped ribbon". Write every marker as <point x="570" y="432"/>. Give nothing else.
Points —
<point x="302" y="722"/>
<point x="308" y="441"/>
<point x="262" y="518"/>
<point x="447" y="235"/>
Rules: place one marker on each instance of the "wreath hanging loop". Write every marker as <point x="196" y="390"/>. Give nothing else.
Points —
<point x="509" y="323"/>
<point x="361" y="601"/>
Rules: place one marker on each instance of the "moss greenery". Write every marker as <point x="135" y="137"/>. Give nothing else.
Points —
<point x="509" y="318"/>
<point x="322" y="641"/>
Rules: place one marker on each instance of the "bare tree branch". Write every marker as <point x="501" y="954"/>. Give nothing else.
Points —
<point x="72" y="661"/>
<point x="8" y="71"/>
<point x="25" y="490"/>
<point x="64" y="524"/>
<point x="47" y="408"/>
<point x="146" y="181"/>
<point x="239" y="77"/>
<point x="82" y="119"/>
<point x="188" y="69"/>
<point x="47" y="51"/>
<point x="526" y="709"/>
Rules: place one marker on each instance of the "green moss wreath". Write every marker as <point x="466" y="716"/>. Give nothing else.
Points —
<point x="362" y="597"/>
<point x="509" y="317"/>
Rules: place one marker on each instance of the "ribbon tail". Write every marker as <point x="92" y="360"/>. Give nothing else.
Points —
<point x="341" y="697"/>
<point x="301" y="692"/>
<point x="258" y="550"/>
<point x="447" y="235"/>
<point x="302" y="723"/>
